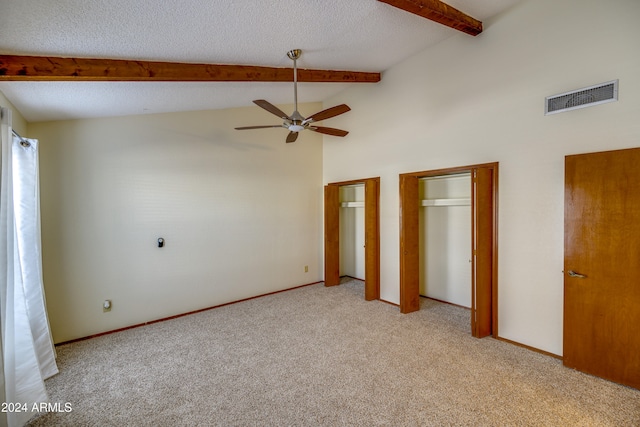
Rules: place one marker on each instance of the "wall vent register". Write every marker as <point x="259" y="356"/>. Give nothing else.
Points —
<point x="581" y="98"/>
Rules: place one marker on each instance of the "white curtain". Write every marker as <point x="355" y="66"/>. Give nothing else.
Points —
<point x="27" y="348"/>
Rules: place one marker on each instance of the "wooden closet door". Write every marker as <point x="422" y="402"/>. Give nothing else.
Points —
<point x="409" y="245"/>
<point x="331" y="235"/>
<point x="371" y="240"/>
<point x="482" y="205"/>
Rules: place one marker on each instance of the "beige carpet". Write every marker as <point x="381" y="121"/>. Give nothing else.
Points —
<point x="324" y="356"/>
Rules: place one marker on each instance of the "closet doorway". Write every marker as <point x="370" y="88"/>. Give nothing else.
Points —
<point x="445" y="238"/>
<point x="355" y="204"/>
<point x="483" y="189"/>
<point x="352" y="244"/>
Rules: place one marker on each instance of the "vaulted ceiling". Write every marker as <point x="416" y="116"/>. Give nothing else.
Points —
<point x="157" y="46"/>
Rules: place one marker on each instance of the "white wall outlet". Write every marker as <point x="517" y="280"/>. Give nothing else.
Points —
<point x="106" y="305"/>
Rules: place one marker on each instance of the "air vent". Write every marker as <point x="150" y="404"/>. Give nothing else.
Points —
<point x="581" y="98"/>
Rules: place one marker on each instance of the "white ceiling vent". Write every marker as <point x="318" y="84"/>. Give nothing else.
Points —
<point x="581" y="98"/>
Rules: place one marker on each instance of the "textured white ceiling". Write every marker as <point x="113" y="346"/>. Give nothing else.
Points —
<point x="356" y="35"/>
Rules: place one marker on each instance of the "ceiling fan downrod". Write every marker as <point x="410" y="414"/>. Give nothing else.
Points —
<point x="296" y="117"/>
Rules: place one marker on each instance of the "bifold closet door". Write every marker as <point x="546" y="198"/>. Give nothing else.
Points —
<point x="483" y="226"/>
<point x="331" y="235"/>
<point x="409" y="244"/>
<point x="371" y="240"/>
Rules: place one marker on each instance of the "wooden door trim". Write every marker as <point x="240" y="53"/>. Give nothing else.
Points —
<point x="372" y="250"/>
<point x="354" y="181"/>
<point x="406" y="290"/>
<point x="452" y="171"/>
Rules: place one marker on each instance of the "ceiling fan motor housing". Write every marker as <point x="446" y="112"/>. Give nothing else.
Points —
<point x="294" y="54"/>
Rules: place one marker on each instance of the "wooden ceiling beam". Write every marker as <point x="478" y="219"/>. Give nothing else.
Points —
<point x="440" y="12"/>
<point x="46" y="68"/>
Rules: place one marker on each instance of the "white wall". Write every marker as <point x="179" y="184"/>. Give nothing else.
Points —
<point x="445" y="240"/>
<point x="474" y="100"/>
<point x="241" y="213"/>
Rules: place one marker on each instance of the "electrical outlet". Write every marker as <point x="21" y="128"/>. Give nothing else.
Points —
<point x="106" y="305"/>
<point x="306" y="268"/>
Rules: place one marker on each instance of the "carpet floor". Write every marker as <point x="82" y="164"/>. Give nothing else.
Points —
<point x="323" y="356"/>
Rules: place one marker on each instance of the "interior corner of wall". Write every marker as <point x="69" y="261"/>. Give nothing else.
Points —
<point x="18" y="121"/>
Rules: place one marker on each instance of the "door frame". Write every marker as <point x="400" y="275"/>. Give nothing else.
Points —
<point x="372" y="234"/>
<point x="484" y="230"/>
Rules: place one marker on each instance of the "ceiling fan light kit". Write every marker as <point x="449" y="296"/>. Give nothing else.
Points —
<point x="295" y="122"/>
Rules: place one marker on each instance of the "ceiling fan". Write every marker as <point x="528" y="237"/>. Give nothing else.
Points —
<point x="296" y="122"/>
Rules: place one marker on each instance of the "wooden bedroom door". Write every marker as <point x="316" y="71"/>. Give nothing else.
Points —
<point x="602" y="265"/>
